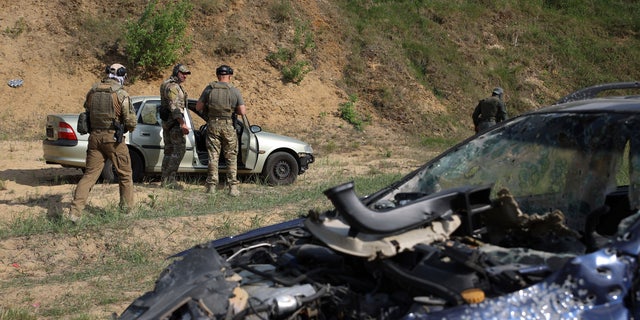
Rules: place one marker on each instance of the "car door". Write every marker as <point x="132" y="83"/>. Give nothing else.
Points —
<point x="198" y="153"/>
<point x="148" y="138"/>
<point x="248" y="144"/>
<point x="247" y="141"/>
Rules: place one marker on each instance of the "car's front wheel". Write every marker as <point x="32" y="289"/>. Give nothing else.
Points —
<point x="281" y="169"/>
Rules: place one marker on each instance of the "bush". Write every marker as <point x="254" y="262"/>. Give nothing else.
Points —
<point x="281" y="11"/>
<point x="291" y="61"/>
<point x="348" y="113"/>
<point x="158" y="38"/>
<point x="18" y="28"/>
<point x="295" y="72"/>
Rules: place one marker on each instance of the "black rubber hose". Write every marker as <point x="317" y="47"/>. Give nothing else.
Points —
<point x="419" y="212"/>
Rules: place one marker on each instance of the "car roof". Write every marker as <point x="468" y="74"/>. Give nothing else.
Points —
<point x="591" y="99"/>
<point x="138" y="98"/>
<point x="608" y="104"/>
<point x="150" y="97"/>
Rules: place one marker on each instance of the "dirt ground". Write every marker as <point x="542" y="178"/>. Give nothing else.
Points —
<point x="31" y="188"/>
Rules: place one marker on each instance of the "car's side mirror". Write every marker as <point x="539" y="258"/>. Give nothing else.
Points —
<point x="255" y="128"/>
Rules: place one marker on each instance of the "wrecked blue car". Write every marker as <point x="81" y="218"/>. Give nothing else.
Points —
<point x="534" y="218"/>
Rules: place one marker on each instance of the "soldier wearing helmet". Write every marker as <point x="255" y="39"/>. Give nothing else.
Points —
<point x="173" y="99"/>
<point x="489" y="111"/>
<point x="221" y="101"/>
<point x="110" y="115"/>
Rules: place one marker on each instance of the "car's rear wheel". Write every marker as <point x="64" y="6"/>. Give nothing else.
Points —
<point x="109" y="173"/>
<point x="137" y="166"/>
<point x="281" y="169"/>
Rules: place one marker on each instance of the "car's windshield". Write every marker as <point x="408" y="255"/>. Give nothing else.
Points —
<point x="565" y="161"/>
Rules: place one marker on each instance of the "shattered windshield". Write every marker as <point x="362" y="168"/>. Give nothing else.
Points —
<point x="564" y="161"/>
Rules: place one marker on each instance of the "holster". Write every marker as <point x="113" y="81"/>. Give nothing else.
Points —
<point x="119" y="135"/>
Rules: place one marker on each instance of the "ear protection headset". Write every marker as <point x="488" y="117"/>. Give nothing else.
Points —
<point x="176" y="69"/>
<point x="120" y="72"/>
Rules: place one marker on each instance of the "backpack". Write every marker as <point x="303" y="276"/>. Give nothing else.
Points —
<point x="83" y="123"/>
<point x="489" y="108"/>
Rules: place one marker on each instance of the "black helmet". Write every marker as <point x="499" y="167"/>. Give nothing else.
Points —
<point x="224" y="70"/>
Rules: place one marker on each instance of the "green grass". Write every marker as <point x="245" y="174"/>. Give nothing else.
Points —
<point x="19" y="27"/>
<point x="16" y="314"/>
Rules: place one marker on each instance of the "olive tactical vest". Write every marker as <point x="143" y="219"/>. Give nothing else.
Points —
<point x="163" y="92"/>
<point x="104" y="105"/>
<point x="165" y="110"/>
<point x="222" y="102"/>
<point x="489" y="108"/>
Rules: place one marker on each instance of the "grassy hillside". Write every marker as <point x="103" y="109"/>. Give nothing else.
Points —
<point x="536" y="50"/>
<point x="415" y="67"/>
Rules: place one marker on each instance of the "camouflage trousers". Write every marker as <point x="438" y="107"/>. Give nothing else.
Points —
<point x="221" y="137"/>
<point x="101" y="146"/>
<point x="174" y="149"/>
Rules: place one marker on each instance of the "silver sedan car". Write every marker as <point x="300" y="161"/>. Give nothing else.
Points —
<point x="277" y="159"/>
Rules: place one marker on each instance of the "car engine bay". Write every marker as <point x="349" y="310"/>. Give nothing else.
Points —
<point x="448" y="254"/>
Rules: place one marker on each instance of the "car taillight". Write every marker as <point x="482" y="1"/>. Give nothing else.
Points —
<point x="65" y="131"/>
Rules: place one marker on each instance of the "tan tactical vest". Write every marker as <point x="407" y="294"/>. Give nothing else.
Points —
<point x="104" y="106"/>
<point x="221" y="100"/>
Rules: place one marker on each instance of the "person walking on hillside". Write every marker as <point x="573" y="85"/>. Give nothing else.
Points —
<point x="173" y="105"/>
<point x="110" y="115"/>
<point x="220" y="100"/>
<point x="489" y="111"/>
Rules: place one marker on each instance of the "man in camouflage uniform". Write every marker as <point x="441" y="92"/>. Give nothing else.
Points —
<point x="489" y="111"/>
<point x="220" y="100"/>
<point x="174" y="98"/>
<point x="108" y="107"/>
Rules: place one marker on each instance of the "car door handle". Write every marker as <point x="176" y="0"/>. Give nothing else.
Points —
<point x="145" y="134"/>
